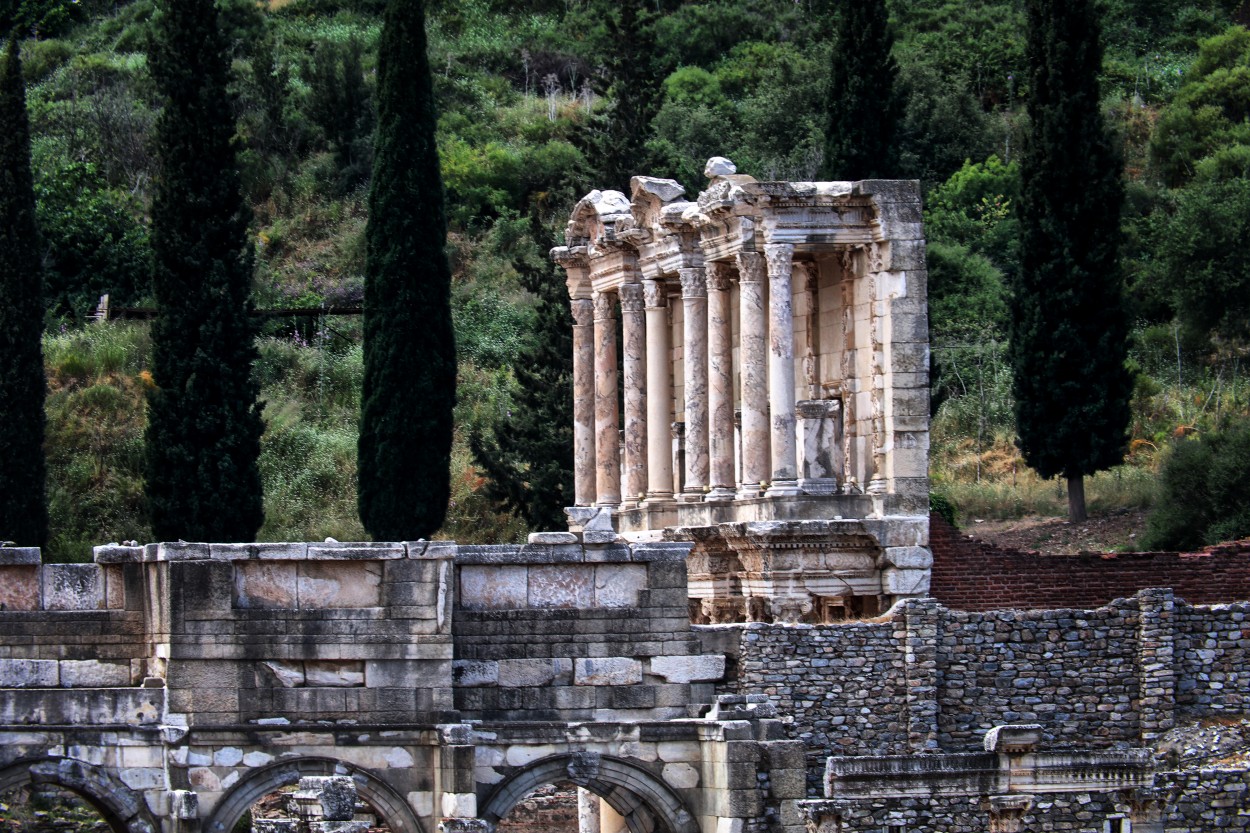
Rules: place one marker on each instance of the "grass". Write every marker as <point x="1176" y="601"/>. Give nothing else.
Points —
<point x="310" y="386"/>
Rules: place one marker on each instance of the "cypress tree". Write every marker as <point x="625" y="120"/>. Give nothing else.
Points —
<point x="631" y="78"/>
<point x="530" y="464"/>
<point x="864" y="106"/>
<point x="23" y="513"/>
<point x="204" y="422"/>
<point x="1069" y="325"/>
<point x="404" y="459"/>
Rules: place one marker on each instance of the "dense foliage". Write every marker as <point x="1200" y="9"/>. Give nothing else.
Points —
<point x="863" y="108"/>
<point x="1069" y="327"/>
<point x="1215" y="467"/>
<point x="409" y="345"/>
<point x="526" y="94"/>
<point x="204" y="425"/>
<point x="23" y="512"/>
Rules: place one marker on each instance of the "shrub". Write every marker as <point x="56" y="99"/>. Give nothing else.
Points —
<point x="1205" y="495"/>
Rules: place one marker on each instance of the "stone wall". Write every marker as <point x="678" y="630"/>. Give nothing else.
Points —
<point x="973" y="575"/>
<point x="925" y="678"/>
<point x="577" y="631"/>
<point x="1212" y="655"/>
<point x="1200" y="801"/>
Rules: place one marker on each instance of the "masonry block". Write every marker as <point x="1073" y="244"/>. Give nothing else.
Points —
<point x="29" y="673"/>
<point x="604" y="671"/>
<point x="494" y="587"/>
<point x="72" y="587"/>
<point x="19" y="586"/>
<point x="94" y="674"/>
<point x="561" y="585"/>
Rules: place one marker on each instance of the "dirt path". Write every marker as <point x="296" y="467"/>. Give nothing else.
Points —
<point x="1119" y="530"/>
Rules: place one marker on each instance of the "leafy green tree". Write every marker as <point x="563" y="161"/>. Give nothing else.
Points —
<point x="1202" y="260"/>
<point x="23" y="512"/>
<point x="1069" y="327"/>
<point x="342" y="107"/>
<point x="1204" y="132"/>
<point x="1205" y="492"/>
<point x="863" y="105"/>
<point x="94" y="243"/>
<point x="204" y="425"/>
<point x="530" y="459"/>
<point x="409" y="390"/>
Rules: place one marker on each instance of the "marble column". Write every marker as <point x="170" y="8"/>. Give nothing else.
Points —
<point x="583" y="402"/>
<point x="659" y="395"/>
<point x="784" y="476"/>
<point x="634" y="341"/>
<point x="694" y="307"/>
<point x="607" y="415"/>
<point x="753" y="357"/>
<point x="720" y="381"/>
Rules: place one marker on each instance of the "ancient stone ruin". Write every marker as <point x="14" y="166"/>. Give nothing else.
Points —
<point x="433" y="688"/>
<point x="775" y="387"/>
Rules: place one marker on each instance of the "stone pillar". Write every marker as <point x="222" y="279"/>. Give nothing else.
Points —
<point x="587" y="811"/>
<point x="752" y="355"/>
<point x="659" y="395"/>
<point x="607" y="415"/>
<point x="694" y="303"/>
<point x="784" y="476"/>
<point x="634" y="339"/>
<point x="720" y="382"/>
<point x="583" y="402"/>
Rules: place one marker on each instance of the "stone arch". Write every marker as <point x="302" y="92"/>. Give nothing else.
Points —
<point x="646" y="802"/>
<point x="122" y="808"/>
<point x="263" y="780"/>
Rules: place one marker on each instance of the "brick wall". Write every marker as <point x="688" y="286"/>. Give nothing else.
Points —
<point x="972" y="575"/>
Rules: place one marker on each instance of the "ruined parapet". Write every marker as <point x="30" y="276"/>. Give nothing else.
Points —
<point x="775" y="369"/>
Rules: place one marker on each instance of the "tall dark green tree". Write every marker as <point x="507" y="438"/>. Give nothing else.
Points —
<point x="1069" y="325"/>
<point x="23" y="512"/>
<point x="204" y="422"/>
<point x="631" y="76"/>
<point x="530" y="459"/>
<point x="864" y="104"/>
<point x="404" y="459"/>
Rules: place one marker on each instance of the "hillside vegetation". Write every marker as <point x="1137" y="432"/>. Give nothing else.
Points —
<point x="523" y="101"/>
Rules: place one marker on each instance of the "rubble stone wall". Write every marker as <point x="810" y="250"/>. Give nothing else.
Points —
<point x="973" y="575"/>
<point x="1204" y="800"/>
<point x="925" y="677"/>
<point x="1213" y="659"/>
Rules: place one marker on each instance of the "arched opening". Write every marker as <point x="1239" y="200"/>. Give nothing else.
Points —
<point x="644" y="803"/>
<point x="68" y="785"/>
<point x="264" y="783"/>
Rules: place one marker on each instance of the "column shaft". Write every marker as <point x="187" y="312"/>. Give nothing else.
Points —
<point x="753" y="357"/>
<point x="720" y="382"/>
<point x="659" y="395"/>
<point x="583" y="402"/>
<point x="607" y="412"/>
<point x="634" y="340"/>
<point x="782" y="444"/>
<point x="694" y="305"/>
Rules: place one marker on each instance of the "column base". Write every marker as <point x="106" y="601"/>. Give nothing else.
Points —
<point x="692" y="496"/>
<point x="747" y="491"/>
<point x="659" y="499"/>
<point x="783" y="488"/>
<point x="818" y="486"/>
<point x="878" y="486"/>
<point x="720" y="494"/>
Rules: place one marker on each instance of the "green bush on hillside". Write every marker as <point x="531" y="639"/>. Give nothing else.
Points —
<point x="1205" y="495"/>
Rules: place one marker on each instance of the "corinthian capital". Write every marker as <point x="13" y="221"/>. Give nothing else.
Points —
<point x="750" y="267"/>
<point x="631" y="297"/>
<point x="604" y="305"/>
<point x="655" y="293"/>
<point x="693" y="283"/>
<point x="780" y="258"/>
<point x="718" y="276"/>
<point x="583" y="312"/>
